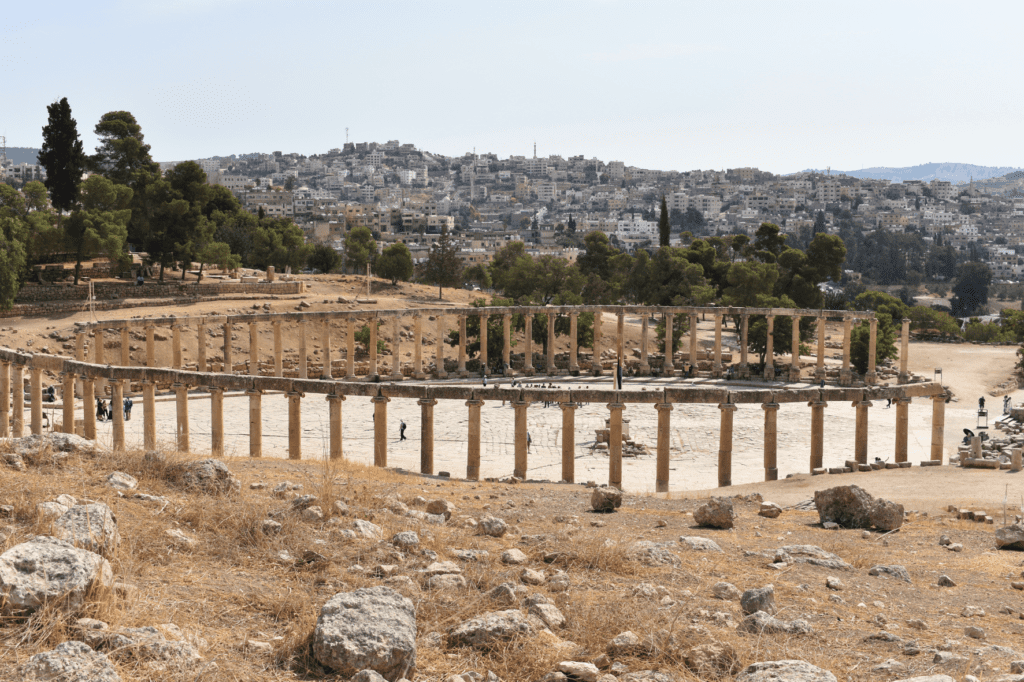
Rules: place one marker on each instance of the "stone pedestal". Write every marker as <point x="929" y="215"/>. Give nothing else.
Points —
<point x="771" y="441"/>
<point x="426" y="435"/>
<point x="664" y="446"/>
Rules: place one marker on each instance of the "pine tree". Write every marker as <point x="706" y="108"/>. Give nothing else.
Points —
<point x="664" y="228"/>
<point x="63" y="157"/>
<point x="443" y="267"/>
<point x="819" y="224"/>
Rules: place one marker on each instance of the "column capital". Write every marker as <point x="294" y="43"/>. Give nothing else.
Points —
<point x="427" y="402"/>
<point x="574" y="313"/>
<point x="862" y="403"/>
<point x="178" y="385"/>
<point x="661" y="407"/>
<point x="295" y="394"/>
<point x="380" y="399"/>
<point x="770" y="406"/>
<point x="905" y="400"/>
<point x="474" y="402"/>
<point x="214" y="389"/>
<point x="616" y="406"/>
<point x="905" y="320"/>
<point x="254" y="391"/>
<point x="817" y="403"/>
<point x="939" y="396"/>
<point x="727" y="407"/>
<point x="484" y="316"/>
<point x="568" y="406"/>
<point x="62" y="375"/>
<point x="520" y="404"/>
<point x="334" y="397"/>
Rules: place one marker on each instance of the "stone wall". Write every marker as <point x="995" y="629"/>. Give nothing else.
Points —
<point x="114" y="291"/>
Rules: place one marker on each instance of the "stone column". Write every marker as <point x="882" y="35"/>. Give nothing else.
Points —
<point x="819" y="364"/>
<point x="506" y="348"/>
<point x="181" y="403"/>
<point x="483" y="343"/>
<point x="569" y="441"/>
<point x="645" y="366"/>
<point x="216" y="421"/>
<point x="126" y="348"/>
<point x="794" y="367"/>
<point x="117" y="413"/>
<point x="18" y="407"/>
<point x="254" y="349"/>
<point x="521" y="448"/>
<point x="769" y="350"/>
<point x="871" y="377"/>
<point x="201" y="347"/>
<point x="99" y="383"/>
<point x="326" y="370"/>
<point x="396" y="350"/>
<point x="574" y="364"/>
<point x="350" y="349"/>
<point x="845" y="375"/>
<point x="621" y="340"/>
<point x="693" y="342"/>
<point x="725" y="445"/>
<point x="473" y="443"/>
<point x="938" y="426"/>
<point x="664" y="444"/>
<point x="902" y="413"/>
<point x="462" y="347"/>
<point x="615" y="445"/>
<point x="817" y="433"/>
<point x="528" y="368"/>
<point x="668" y="368"/>
<point x="303" y="351"/>
<point x="5" y="400"/>
<point x="255" y="422"/>
<point x="771" y="440"/>
<point x="904" y="376"/>
<point x="427" y="435"/>
<point x="551" y="370"/>
<point x="595" y="363"/>
<point x="334" y="401"/>
<point x="294" y="424"/>
<point x="89" y="400"/>
<point x="36" y="406"/>
<point x="860" y="447"/>
<point x="150" y="345"/>
<point x="278" y="351"/>
<point x="744" y="368"/>
<point x="716" y="368"/>
<point x="176" y="346"/>
<point x="229" y="330"/>
<point x="380" y="430"/>
<point x="439" y="371"/>
<point x="417" y="351"/>
<point x="80" y="356"/>
<point x="373" y="349"/>
<point x="148" y="415"/>
<point x="68" y="400"/>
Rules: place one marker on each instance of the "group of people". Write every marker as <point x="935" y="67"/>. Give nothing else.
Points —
<point x="104" y="413"/>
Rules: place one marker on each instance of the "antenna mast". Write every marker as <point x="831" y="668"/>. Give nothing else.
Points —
<point x="3" y="150"/>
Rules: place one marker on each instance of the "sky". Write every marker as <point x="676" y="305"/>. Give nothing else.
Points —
<point x="782" y="86"/>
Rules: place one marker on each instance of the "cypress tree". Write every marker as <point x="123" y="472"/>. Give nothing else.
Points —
<point x="63" y="157"/>
<point x="664" y="228"/>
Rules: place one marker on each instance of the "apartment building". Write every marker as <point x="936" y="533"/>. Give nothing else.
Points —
<point x="275" y="203"/>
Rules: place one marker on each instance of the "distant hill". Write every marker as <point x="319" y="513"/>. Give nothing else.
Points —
<point x="953" y="172"/>
<point x="22" y="154"/>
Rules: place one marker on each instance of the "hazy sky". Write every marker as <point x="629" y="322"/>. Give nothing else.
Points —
<point x="669" y="85"/>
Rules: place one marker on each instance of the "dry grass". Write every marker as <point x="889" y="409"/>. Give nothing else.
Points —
<point x="232" y="586"/>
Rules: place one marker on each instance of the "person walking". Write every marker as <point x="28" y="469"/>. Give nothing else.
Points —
<point x="529" y="440"/>
<point x="485" y="381"/>
<point x="618" y="374"/>
<point x="127" y="409"/>
<point x="401" y="430"/>
<point x="100" y="411"/>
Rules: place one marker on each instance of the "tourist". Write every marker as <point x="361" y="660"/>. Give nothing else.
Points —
<point x="139" y="280"/>
<point x="100" y="410"/>
<point x="1007" y="404"/>
<point x="127" y="409"/>
<point x="618" y="374"/>
<point x="401" y="430"/>
<point x="981" y="403"/>
<point x="485" y="381"/>
<point x="529" y="440"/>
<point x="888" y="403"/>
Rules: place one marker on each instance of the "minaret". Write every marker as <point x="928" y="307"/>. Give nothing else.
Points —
<point x="535" y="149"/>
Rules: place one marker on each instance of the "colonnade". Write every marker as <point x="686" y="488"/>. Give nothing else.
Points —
<point x="13" y="366"/>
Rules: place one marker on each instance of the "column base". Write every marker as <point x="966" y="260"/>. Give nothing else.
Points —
<point x="596" y="371"/>
<point x="396" y="377"/>
<point x="769" y="373"/>
<point x="871" y="378"/>
<point x="819" y="374"/>
<point x="529" y="371"/>
<point x="717" y="372"/>
<point x="463" y="373"/>
<point x="743" y="370"/>
<point x="668" y="371"/>
<point x="371" y="377"/>
<point x="574" y="369"/>
<point x="794" y="374"/>
<point x="903" y="378"/>
<point x="845" y="377"/>
<point x="472" y="473"/>
<point x="771" y="474"/>
<point x="419" y="375"/>
<point x="645" y="370"/>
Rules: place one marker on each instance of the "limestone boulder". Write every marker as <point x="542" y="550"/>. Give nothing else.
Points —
<point x="784" y="671"/>
<point x="406" y="540"/>
<point x="759" y="599"/>
<point x="762" y="623"/>
<point x="712" y="660"/>
<point x="118" y="480"/>
<point x="890" y="571"/>
<point x="45" y="570"/>
<point x="441" y="507"/>
<point x="1011" y="537"/>
<point x="369" y="629"/>
<point x="490" y="629"/>
<point x="549" y="613"/>
<point x="851" y="506"/>
<point x="161" y="648"/>
<point x="365" y="529"/>
<point x="69" y="662"/>
<point x="514" y="557"/>
<point x="717" y="513"/>
<point x="89" y="526"/>
<point x="53" y="446"/>
<point x="606" y="499"/>
<point x="492" y="526"/>
<point x="699" y="544"/>
<point x="210" y="476"/>
<point x="770" y="510"/>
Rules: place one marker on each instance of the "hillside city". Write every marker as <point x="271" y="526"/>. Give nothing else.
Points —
<point x="404" y="194"/>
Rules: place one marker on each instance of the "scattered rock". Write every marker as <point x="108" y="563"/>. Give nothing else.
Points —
<point x="119" y="480"/>
<point x="365" y="529"/>
<point x="492" y="526"/>
<point x="712" y="660"/>
<point x="549" y="613"/>
<point x="851" y="506"/>
<point x="833" y="583"/>
<point x="447" y="581"/>
<point x="532" y="577"/>
<point x="441" y="507"/>
<point x="210" y="476"/>
<point x="369" y="629"/>
<point x="784" y="671"/>
<point x="1011" y="537"/>
<point x="44" y="570"/>
<point x="624" y="644"/>
<point x="763" y="623"/>
<point x="406" y="540"/>
<point x="489" y="629"/>
<point x="974" y="632"/>
<point x="514" y="557"/>
<point x="606" y="499"/>
<point x="653" y="553"/>
<point x="69" y="662"/>
<point x="180" y="540"/>
<point x="726" y="591"/>
<point x="945" y="581"/>
<point x="585" y="672"/>
<point x="759" y="599"/>
<point x="770" y="510"/>
<point x="89" y="526"/>
<point x="893" y="571"/>
<point x="699" y="544"/>
<point x="717" y="513"/>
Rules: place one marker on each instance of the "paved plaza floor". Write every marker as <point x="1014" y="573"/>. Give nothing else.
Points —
<point x="694" y="434"/>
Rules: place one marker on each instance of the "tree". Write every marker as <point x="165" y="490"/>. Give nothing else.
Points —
<point x="479" y="274"/>
<point x="971" y="289"/>
<point x="394" y="263"/>
<point x="63" y="157"/>
<point x="443" y="266"/>
<point x="819" y="223"/>
<point x="100" y="225"/>
<point x="693" y="220"/>
<point x="324" y="258"/>
<point x="360" y="248"/>
<point x="664" y="227"/>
